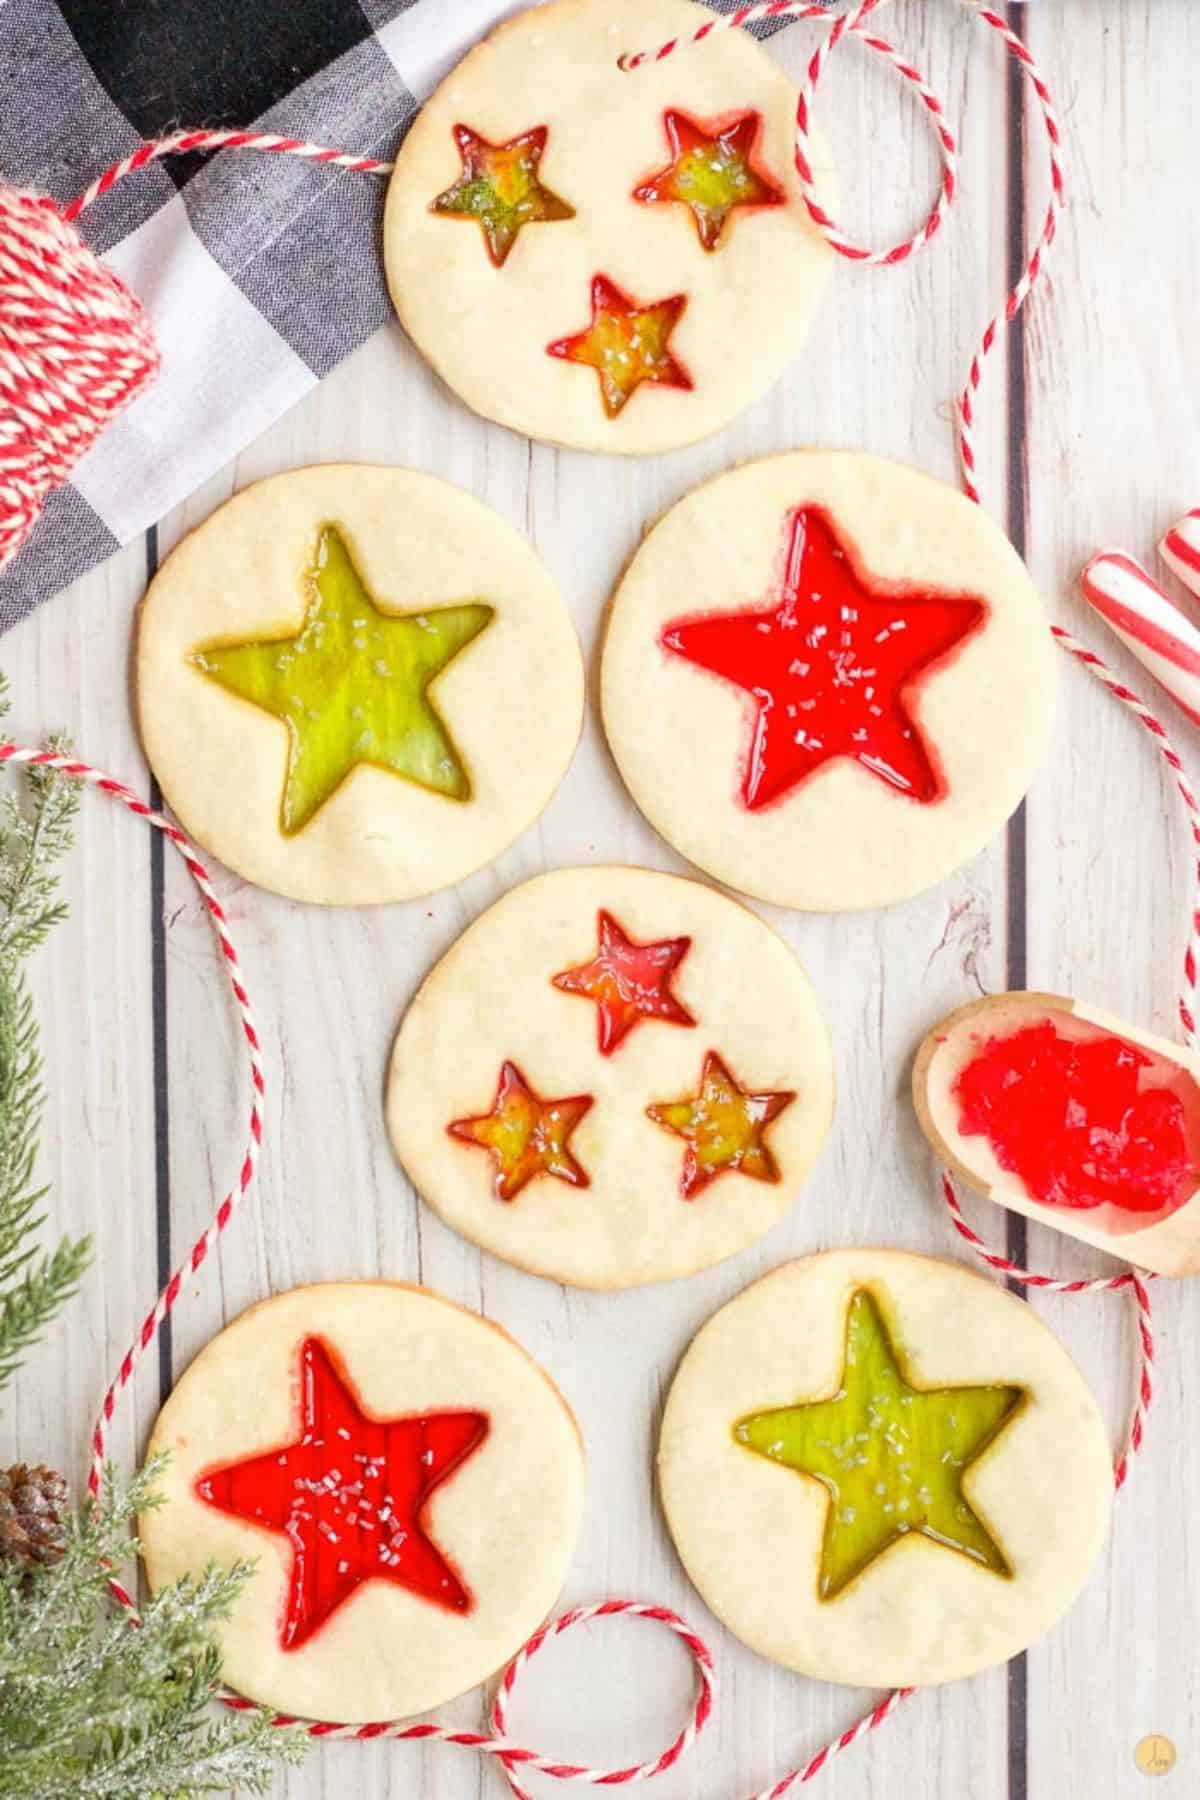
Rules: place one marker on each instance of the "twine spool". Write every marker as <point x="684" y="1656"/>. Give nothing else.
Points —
<point x="75" y="349"/>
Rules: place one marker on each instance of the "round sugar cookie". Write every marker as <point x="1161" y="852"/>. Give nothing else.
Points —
<point x="356" y="684"/>
<point x="884" y="1470"/>
<point x="610" y="260"/>
<point x="827" y="679"/>
<point x="613" y="1077"/>
<point x="407" y="1481"/>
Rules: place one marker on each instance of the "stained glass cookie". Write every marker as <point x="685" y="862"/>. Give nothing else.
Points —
<point x="356" y="684"/>
<point x="1073" y="1118"/>
<point x="610" y="260"/>
<point x="827" y="679"/>
<point x="407" y="1481"/>
<point x="883" y="1470"/>
<point x="613" y="1077"/>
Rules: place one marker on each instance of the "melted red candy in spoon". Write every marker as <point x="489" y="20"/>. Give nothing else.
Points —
<point x="1084" y="1121"/>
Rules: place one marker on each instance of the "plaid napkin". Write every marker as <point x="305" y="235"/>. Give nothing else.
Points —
<point x="259" y="273"/>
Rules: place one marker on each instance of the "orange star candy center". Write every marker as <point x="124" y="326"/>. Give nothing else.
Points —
<point x="526" y="1135"/>
<point x="627" y="344"/>
<point x="501" y="189"/>
<point x="713" y="170"/>
<point x="629" y="982"/>
<point x="723" y="1126"/>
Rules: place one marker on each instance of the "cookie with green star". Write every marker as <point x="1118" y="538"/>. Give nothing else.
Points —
<point x="356" y="684"/>
<point x="882" y="1469"/>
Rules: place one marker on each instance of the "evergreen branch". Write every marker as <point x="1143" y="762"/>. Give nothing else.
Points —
<point x="33" y="836"/>
<point x="91" y="1706"/>
<point x="27" y="1308"/>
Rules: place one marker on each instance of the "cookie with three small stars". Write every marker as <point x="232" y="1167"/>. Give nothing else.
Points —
<point x="405" y="1481"/>
<point x="615" y="1076"/>
<point x="608" y="259"/>
<point x="883" y="1469"/>
<point x="356" y="684"/>
<point x="827" y="679"/>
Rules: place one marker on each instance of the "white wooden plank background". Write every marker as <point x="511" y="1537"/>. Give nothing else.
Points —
<point x="1090" y="427"/>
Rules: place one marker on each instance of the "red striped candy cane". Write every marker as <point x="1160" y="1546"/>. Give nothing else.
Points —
<point x="1147" y="623"/>
<point x="1180" y="550"/>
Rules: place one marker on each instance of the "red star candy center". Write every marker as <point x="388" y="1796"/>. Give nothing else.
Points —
<point x="526" y="1135"/>
<point x="629" y="982"/>
<point x="834" y="665"/>
<point x="350" y="1493"/>
<point x="627" y="344"/>
<point x="712" y="171"/>
<point x="723" y="1126"/>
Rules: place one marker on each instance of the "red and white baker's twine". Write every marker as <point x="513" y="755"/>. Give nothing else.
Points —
<point x="1135" y="1280"/>
<point x="80" y="771"/>
<point x="854" y="24"/>
<point x="182" y="141"/>
<point x="511" y="1755"/>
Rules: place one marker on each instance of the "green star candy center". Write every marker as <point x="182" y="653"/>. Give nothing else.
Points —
<point x="352" y="686"/>
<point x="892" y="1456"/>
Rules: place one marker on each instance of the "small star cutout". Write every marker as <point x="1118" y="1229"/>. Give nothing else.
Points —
<point x="352" y="686"/>
<point x="892" y="1456"/>
<point x="526" y="1135"/>
<point x="834" y="664"/>
<point x="712" y="171"/>
<point x="723" y="1126"/>
<point x="350" y="1493"/>
<point x="500" y="188"/>
<point x="629" y="982"/>
<point x="627" y="344"/>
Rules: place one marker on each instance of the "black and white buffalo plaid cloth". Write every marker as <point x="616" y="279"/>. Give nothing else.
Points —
<point x="259" y="273"/>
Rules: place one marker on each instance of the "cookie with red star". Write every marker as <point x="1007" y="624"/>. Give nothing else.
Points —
<point x="884" y="1470"/>
<point x="335" y="679"/>
<point x="614" y="1077"/>
<point x="406" y="1481"/>
<point x="605" y="262"/>
<point x="827" y="679"/>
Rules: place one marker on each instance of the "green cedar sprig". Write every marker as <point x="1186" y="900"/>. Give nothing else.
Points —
<point x="36" y="828"/>
<point x="91" y="1707"/>
<point x="94" y="1708"/>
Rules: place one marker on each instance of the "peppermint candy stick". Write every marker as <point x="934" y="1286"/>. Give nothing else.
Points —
<point x="1180" y="549"/>
<point x="1162" y="639"/>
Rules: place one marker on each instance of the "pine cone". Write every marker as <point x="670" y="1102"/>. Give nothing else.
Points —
<point x="33" y="1502"/>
